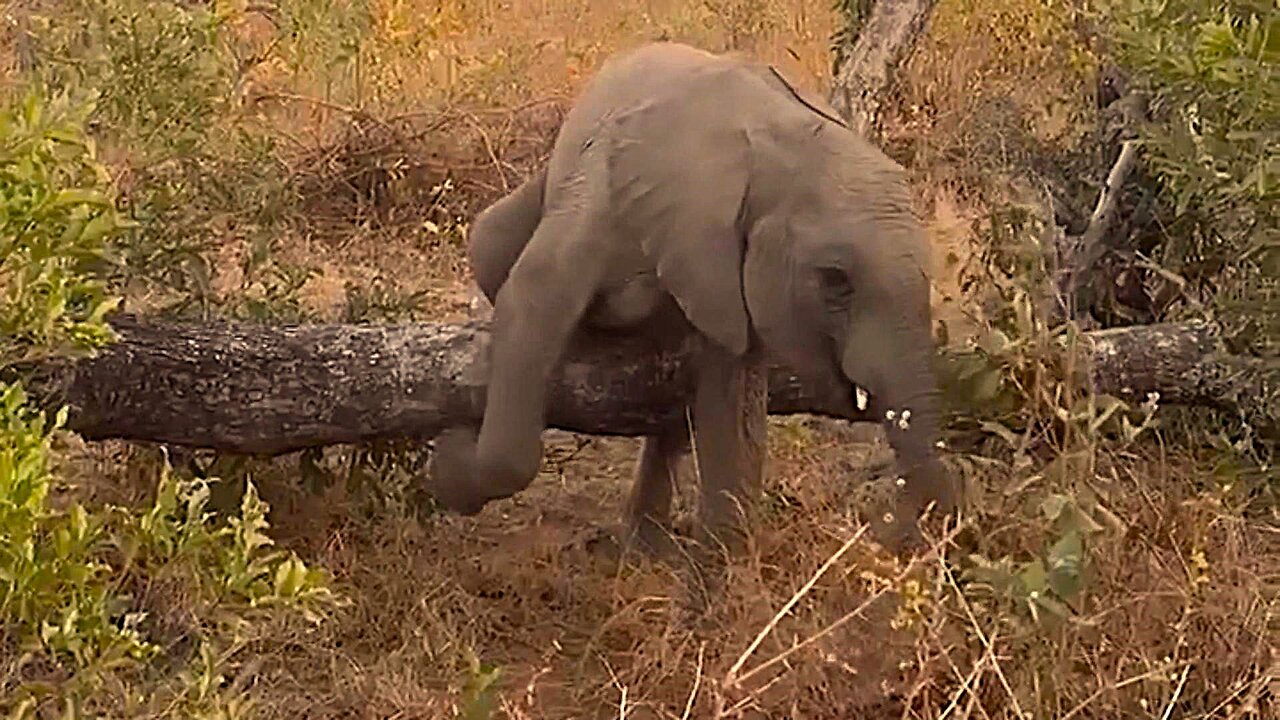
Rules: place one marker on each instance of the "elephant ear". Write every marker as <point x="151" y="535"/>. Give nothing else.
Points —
<point x="683" y="192"/>
<point x="782" y="301"/>
<point x="768" y="281"/>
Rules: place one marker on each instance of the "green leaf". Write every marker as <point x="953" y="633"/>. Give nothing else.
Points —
<point x="80" y="196"/>
<point x="1034" y="578"/>
<point x="1053" y="506"/>
<point x="986" y="387"/>
<point x="1002" y="432"/>
<point x="291" y="577"/>
<point x="995" y="342"/>
<point x="1054" y="607"/>
<point x="1066" y="557"/>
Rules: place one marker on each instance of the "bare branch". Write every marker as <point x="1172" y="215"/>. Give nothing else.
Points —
<point x="1090" y="247"/>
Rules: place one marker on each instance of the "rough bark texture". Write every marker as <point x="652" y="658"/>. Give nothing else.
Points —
<point x="262" y="389"/>
<point x="1187" y="364"/>
<point x="273" y="389"/>
<point x="886" y="40"/>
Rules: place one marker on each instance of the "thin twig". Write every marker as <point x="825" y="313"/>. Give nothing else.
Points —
<point x="786" y="607"/>
<point x="1177" y="692"/>
<point x="750" y="698"/>
<point x="987" y="642"/>
<point x="964" y="688"/>
<point x="488" y="147"/>
<point x="328" y="105"/>
<point x="697" y="680"/>
<point x="1111" y="688"/>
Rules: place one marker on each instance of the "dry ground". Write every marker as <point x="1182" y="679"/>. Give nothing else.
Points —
<point x="1176" y="608"/>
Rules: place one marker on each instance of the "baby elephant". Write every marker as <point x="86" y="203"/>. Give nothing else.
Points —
<point x="702" y="194"/>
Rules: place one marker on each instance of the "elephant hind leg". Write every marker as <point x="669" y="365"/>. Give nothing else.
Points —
<point x="501" y="231"/>
<point x="648" y="512"/>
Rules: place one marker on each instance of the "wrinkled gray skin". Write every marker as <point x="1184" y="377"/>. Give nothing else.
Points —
<point x="701" y="194"/>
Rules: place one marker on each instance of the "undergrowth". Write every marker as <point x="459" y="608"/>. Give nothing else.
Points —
<point x="73" y="579"/>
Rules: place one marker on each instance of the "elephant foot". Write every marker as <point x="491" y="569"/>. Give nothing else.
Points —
<point x="451" y="473"/>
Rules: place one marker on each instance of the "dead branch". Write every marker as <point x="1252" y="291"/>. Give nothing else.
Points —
<point x="1089" y="248"/>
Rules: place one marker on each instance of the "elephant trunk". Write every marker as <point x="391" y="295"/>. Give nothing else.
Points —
<point x="893" y="362"/>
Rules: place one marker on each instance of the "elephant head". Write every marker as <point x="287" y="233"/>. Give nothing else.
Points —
<point x="836" y="279"/>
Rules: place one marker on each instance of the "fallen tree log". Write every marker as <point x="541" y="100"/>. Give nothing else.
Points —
<point x="259" y="389"/>
<point x="1187" y="364"/>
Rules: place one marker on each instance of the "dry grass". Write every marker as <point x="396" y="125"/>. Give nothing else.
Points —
<point x="1174" y="612"/>
<point x="1174" y="622"/>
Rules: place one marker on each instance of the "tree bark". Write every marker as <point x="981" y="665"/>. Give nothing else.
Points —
<point x="250" y="388"/>
<point x="887" y="39"/>
<point x="1187" y="364"/>
<point x="261" y="389"/>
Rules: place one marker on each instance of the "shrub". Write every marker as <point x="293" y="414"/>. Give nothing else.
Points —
<point x="1209" y="68"/>
<point x="195" y="171"/>
<point x="71" y="629"/>
<point x="55" y="219"/>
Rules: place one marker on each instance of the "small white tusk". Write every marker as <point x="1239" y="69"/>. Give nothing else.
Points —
<point x="860" y="397"/>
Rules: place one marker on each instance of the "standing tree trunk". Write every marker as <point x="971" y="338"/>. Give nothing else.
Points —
<point x="886" y="41"/>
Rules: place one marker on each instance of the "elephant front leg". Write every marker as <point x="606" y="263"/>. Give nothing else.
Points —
<point x="729" y="446"/>
<point x="535" y="313"/>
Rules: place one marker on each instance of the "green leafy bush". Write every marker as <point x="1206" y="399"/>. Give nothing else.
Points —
<point x="55" y="594"/>
<point x="72" y="630"/>
<point x="1209" y="67"/>
<point x="55" y="218"/>
<point x="197" y="171"/>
